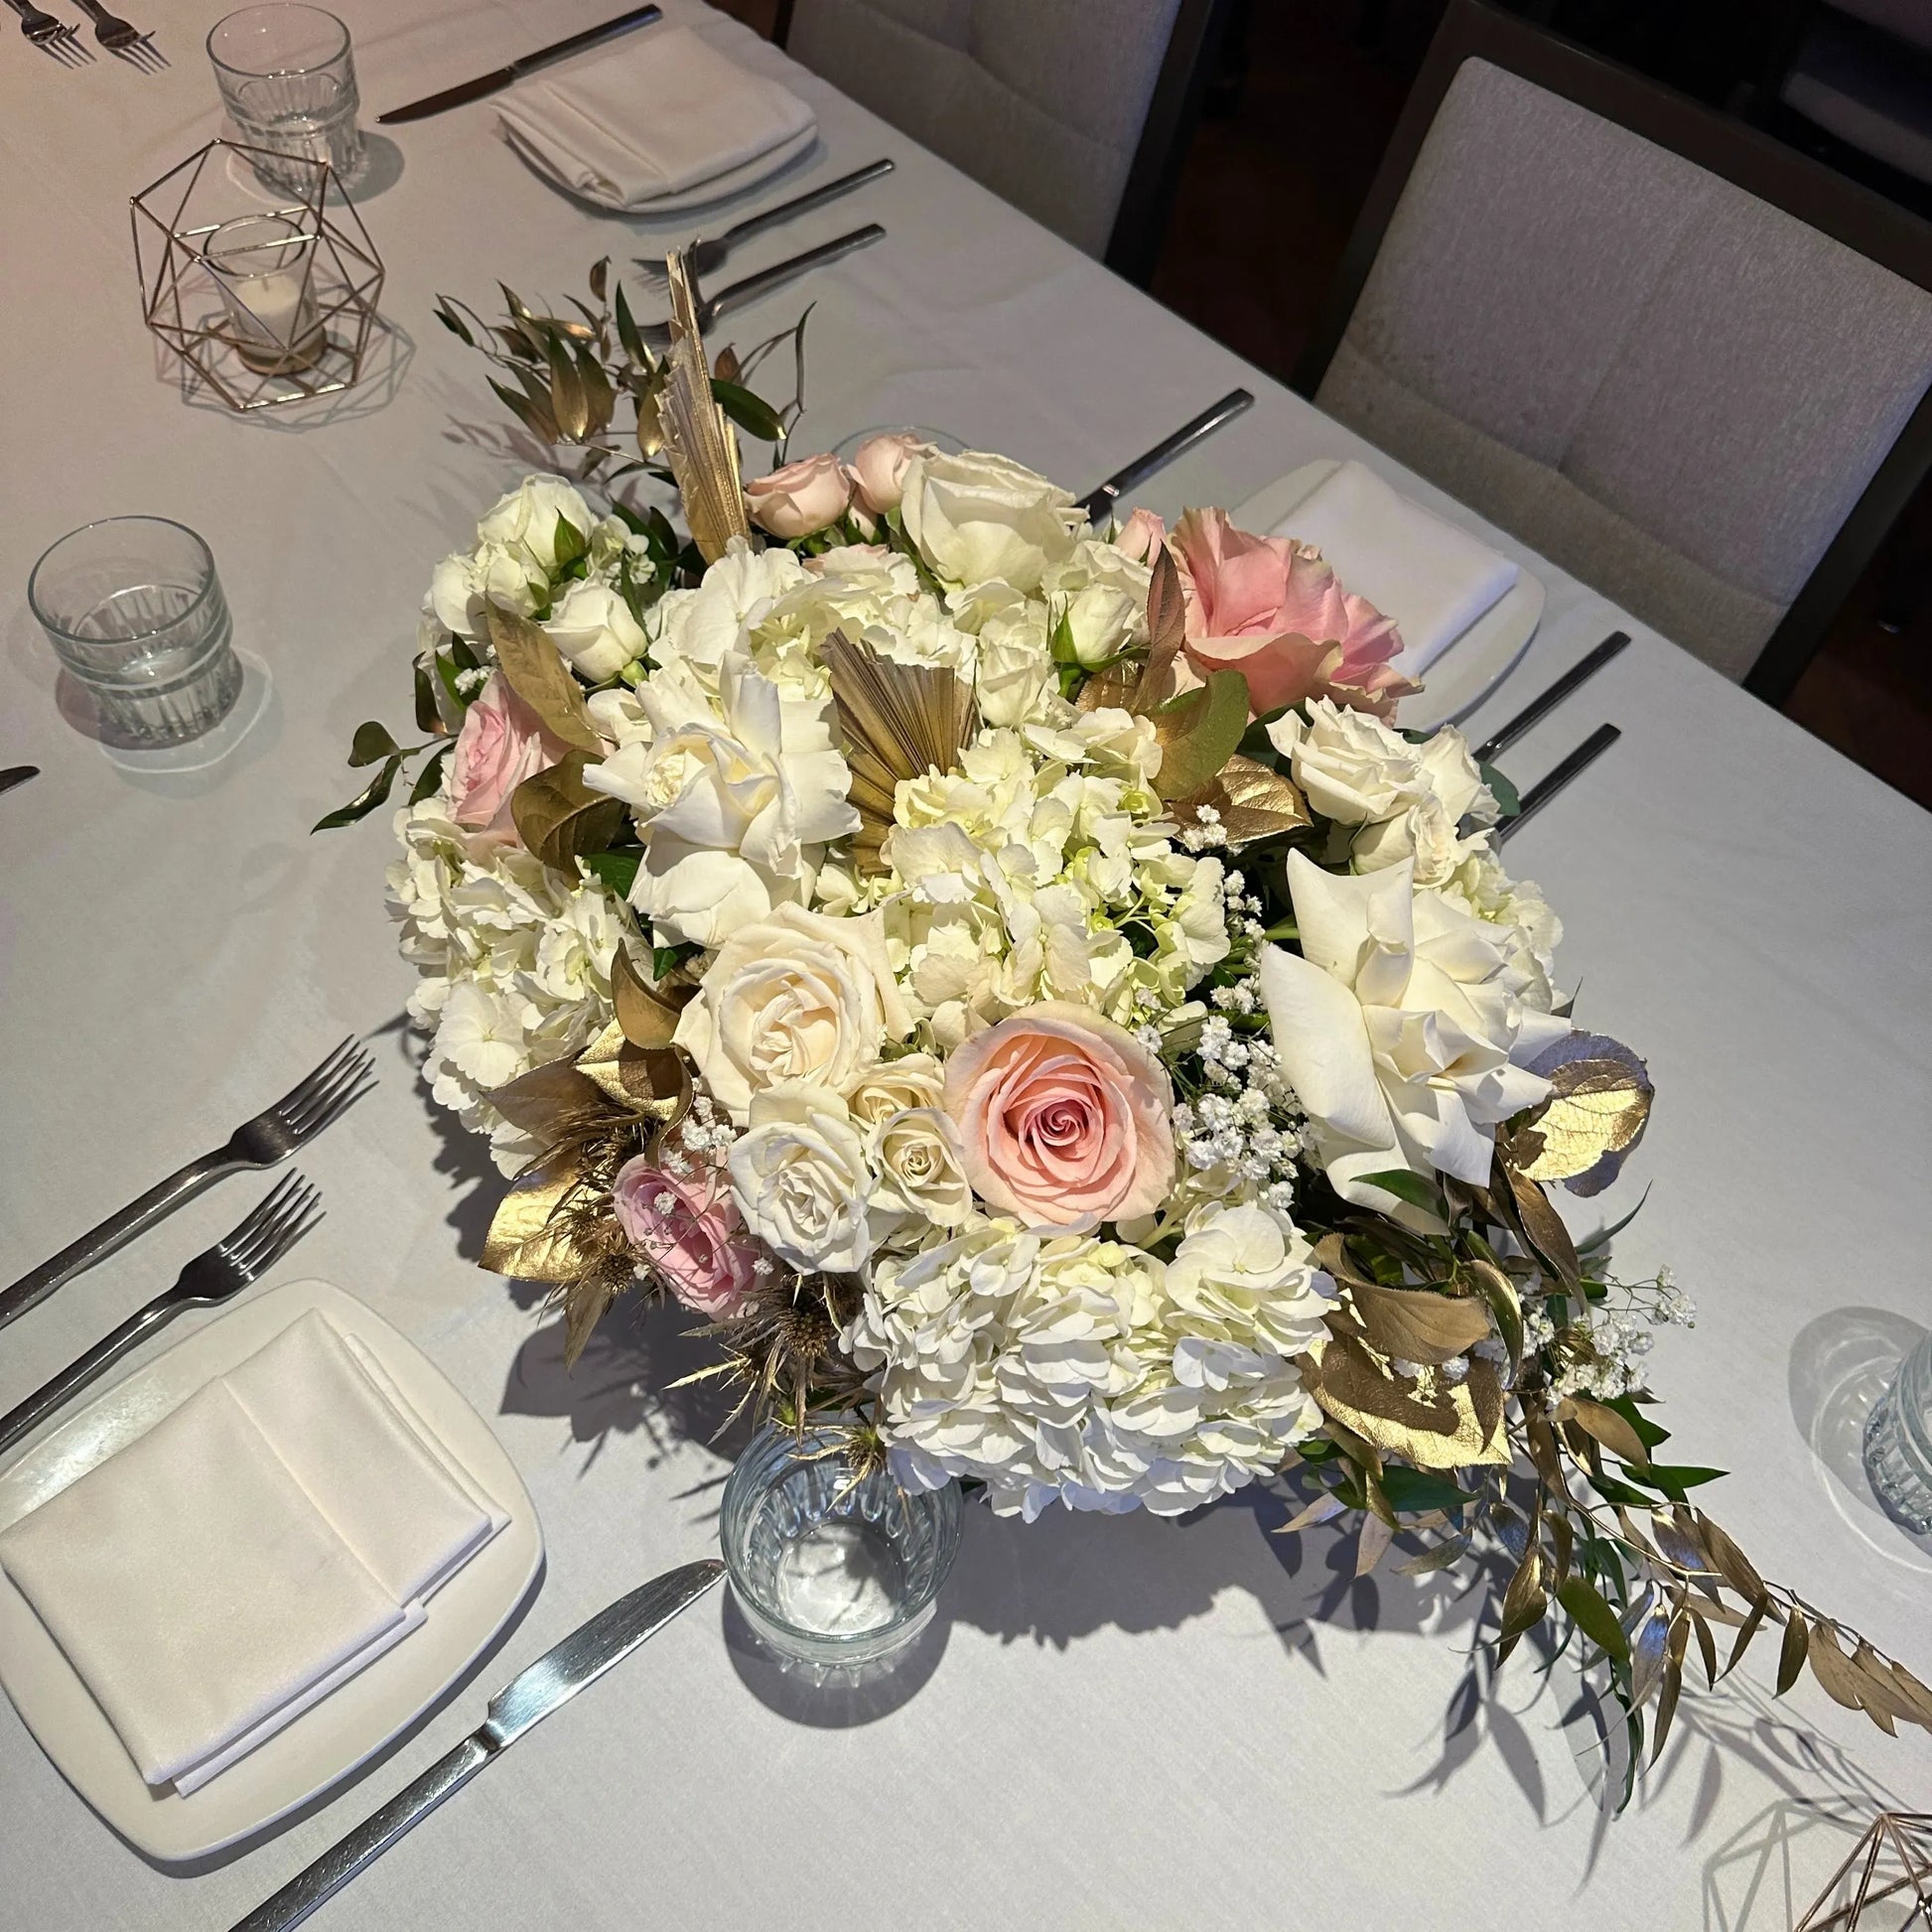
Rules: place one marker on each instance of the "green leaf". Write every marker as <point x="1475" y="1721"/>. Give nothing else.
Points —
<point x="446" y="672"/>
<point x="667" y="959"/>
<point x="454" y="323"/>
<point x="462" y="656"/>
<point x="428" y="718"/>
<point x="429" y="778"/>
<point x="569" y="542"/>
<point x="1411" y="1491"/>
<point x="633" y="343"/>
<point x="1410" y="1187"/>
<point x="1649" y="1432"/>
<point x="1505" y="792"/>
<point x="751" y="413"/>
<point x="365" y="801"/>
<point x="1061" y="643"/>
<point x="616" y="869"/>
<point x="1672" y="1478"/>
<point x="1592" y="1617"/>
<point x="370" y="745"/>
<point x="1200" y="731"/>
<point x="1613" y="1491"/>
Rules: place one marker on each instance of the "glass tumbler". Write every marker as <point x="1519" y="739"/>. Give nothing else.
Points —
<point x="1898" y="1441"/>
<point x="264" y="267"/>
<point x="135" y="613"/>
<point x="831" y="1567"/>
<point x="288" y="80"/>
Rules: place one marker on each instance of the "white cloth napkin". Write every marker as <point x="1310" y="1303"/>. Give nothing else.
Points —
<point x="660" y="120"/>
<point x="1431" y="578"/>
<point x="256" y="1548"/>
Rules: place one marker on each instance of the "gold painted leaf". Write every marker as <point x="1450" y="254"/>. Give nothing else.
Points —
<point x="538" y="673"/>
<point x="1540" y="1225"/>
<point x="1738" y="1570"/>
<point x="652" y="1081"/>
<point x="1525" y="1601"/>
<point x="1372" y="1545"/>
<point x="1250" y="800"/>
<point x="1109" y="690"/>
<point x="697" y="441"/>
<point x="1435" y="1424"/>
<point x="536" y="1102"/>
<point x="1415" y="1325"/>
<point x="897" y="722"/>
<point x="1607" y="1427"/>
<point x="1596" y="1107"/>
<point x="1791" y="1652"/>
<point x="558" y="816"/>
<point x="1167" y="632"/>
<point x="647" y="1013"/>
<point x="1832" y="1668"/>
<point x="1198" y="733"/>
<point x="522" y="1243"/>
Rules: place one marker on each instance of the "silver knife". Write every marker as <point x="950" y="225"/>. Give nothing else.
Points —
<point x="556" y="1677"/>
<point x="1103" y="497"/>
<point x="499" y="77"/>
<point x="18" y="775"/>
<point x="1539" y="794"/>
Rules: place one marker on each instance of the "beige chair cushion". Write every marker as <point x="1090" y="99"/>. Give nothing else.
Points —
<point x="1042" y="100"/>
<point x="1668" y="387"/>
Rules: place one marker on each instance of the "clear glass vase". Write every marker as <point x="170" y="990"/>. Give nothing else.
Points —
<point x="833" y="1568"/>
<point x="1898" y="1441"/>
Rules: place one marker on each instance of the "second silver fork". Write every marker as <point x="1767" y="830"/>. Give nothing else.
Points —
<point x="218" y="1275"/>
<point x="117" y="36"/>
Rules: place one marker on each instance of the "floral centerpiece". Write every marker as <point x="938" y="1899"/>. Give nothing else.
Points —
<point x="1016" y="982"/>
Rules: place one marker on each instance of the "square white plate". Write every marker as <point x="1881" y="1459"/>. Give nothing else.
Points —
<point x="1469" y="667"/>
<point x="348" y="1726"/>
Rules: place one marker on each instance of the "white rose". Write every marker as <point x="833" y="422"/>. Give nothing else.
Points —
<point x="462" y="584"/>
<point x="912" y="1080"/>
<point x="921" y="1180"/>
<point x="592" y="627"/>
<point x="526" y="519"/>
<point x="706" y="625"/>
<point x="733" y="808"/>
<point x="1430" y="830"/>
<point x="1015" y="666"/>
<point x="1101" y="621"/>
<point x="796" y="997"/>
<point x="1400" y="1031"/>
<point x="800" y="1179"/>
<point x="1449" y="770"/>
<point x="976" y="516"/>
<point x="1352" y="767"/>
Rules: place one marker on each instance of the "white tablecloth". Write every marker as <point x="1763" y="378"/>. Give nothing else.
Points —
<point x="1132" y="1723"/>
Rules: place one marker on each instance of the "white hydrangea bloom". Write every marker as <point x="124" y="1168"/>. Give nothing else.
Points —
<point x="514" y="963"/>
<point x="1480" y="887"/>
<point x="1084" y="1371"/>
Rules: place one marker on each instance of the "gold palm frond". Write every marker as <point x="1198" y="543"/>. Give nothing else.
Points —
<point x="697" y="441"/>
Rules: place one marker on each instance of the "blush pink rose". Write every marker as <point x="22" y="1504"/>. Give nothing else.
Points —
<point x="879" y="467"/>
<point x="502" y="741"/>
<point x="1275" y="611"/>
<point x="1140" y="536"/>
<point x="1064" y="1119"/>
<point x="803" y="499"/>
<point x="687" y="1232"/>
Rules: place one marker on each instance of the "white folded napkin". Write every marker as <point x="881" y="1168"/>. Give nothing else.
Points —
<point x="256" y="1548"/>
<point x="1431" y="578"/>
<point x="660" y="120"/>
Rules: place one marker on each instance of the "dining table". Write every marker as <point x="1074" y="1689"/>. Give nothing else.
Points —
<point x="1114" y="1722"/>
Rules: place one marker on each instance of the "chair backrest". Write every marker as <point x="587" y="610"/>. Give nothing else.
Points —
<point x="1074" y="110"/>
<point x="1682" y="361"/>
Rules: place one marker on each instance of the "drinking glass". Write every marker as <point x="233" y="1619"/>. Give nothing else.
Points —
<point x="134" y="611"/>
<point x="288" y="80"/>
<point x="832" y="1567"/>
<point x="1898" y="1441"/>
<point x="264" y="267"/>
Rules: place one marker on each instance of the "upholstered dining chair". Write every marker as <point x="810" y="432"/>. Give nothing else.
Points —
<point x="1078" y="111"/>
<point x="1682" y="361"/>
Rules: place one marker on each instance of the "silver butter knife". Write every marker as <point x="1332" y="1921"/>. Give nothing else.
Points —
<point x="1103" y="497"/>
<point x="554" y="1679"/>
<point x="704" y="258"/>
<point x="1539" y="794"/>
<point x="751" y="287"/>
<point x="497" y="79"/>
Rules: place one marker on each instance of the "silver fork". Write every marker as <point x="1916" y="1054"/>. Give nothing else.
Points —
<point x="294" y="1120"/>
<point x="114" y="34"/>
<point x="216" y="1275"/>
<point x="658" y="333"/>
<point x="51" y="36"/>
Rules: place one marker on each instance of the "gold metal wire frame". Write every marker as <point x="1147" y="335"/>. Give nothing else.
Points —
<point x="172" y="218"/>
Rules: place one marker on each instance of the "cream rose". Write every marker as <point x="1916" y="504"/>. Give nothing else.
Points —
<point x="525" y="521"/>
<point x="920" y="1182"/>
<point x="592" y="625"/>
<point x="976" y="516"/>
<point x="1101" y="621"/>
<point x="879" y="467"/>
<point x="1352" y="767"/>
<point x="1400" y="1031"/>
<point x="459" y="586"/>
<point x="912" y="1080"/>
<point x="800" y="1179"/>
<point x="794" y="997"/>
<point x="800" y="499"/>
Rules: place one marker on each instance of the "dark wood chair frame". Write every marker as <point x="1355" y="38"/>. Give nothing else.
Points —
<point x="1739" y="154"/>
<point x="1172" y="114"/>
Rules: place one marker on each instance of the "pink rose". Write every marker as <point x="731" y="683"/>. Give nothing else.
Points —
<point x="1064" y="1119"/>
<point x="687" y="1232"/>
<point x="502" y="741"/>
<point x="803" y="499"/>
<point x="879" y="467"/>
<point x="1140" y="536"/>
<point x="1275" y="611"/>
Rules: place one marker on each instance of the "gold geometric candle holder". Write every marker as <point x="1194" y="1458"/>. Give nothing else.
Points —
<point x="1885" y="1885"/>
<point x="268" y="303"/>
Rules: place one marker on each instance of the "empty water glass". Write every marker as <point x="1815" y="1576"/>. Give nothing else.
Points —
<point x="135" y="613"/>
<point x="288" y="80"/>
<point x="264" y="267"/>
<point x="1898" y="1441"/>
